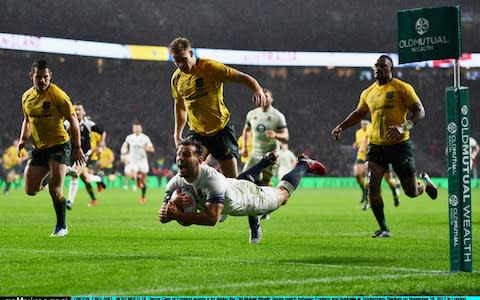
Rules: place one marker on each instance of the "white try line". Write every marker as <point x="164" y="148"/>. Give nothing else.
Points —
<point x="227" y="260"/>
<point x="267" y="283"/>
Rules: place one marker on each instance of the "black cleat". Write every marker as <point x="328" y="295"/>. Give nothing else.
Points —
<point x="430" y="188"/>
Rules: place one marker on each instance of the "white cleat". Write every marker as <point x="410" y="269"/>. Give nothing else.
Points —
<point x="59" y="232"/>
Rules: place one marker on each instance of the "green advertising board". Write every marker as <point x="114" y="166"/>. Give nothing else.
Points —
<point x="458" y="168"/>
<point x="429" y="33"/>
<point x="435" y="33"/>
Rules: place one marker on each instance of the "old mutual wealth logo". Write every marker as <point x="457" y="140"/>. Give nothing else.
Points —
<point x="422" y="26"/>
<point x="424" y="42"/>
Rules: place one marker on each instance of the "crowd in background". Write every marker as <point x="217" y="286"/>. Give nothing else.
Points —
<point x="116" y="93"/>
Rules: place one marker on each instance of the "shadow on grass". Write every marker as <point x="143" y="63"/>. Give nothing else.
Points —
<point x="340" y="260"/>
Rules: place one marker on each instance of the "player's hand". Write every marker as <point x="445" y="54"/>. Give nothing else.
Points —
<point x="259" y="98"/>
<point x="336" y="133"/>
<point x="20" y="146"/>
<point x="244" y="153"/>
<point x="183" y="200"/>
<point x="77" y="156"/>
<point x="270" y="134"/>
<point x="395" y="132"/>
<point x="162" y="213"/>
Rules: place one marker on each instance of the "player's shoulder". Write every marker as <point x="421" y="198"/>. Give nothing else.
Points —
<point x="206" y="62"/>
<point x="400" y="84"/>
<point x="57" y="91"/>
<point x="276" y="111"/>
<point x="28" y="94"/>
<point x="175" y="182"/>
<point x="176" y="75"/>
<point x="367" y="90"/>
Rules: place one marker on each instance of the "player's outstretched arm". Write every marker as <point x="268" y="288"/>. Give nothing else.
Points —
<point x="209" y="217"/>
<point x="353" y="118"/>
<point x="180" y="112"/>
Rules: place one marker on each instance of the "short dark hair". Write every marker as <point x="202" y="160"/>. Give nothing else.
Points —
<point x="195" y="143"/>
<point x="384" y="56"/>
<point x="40" y="63"/>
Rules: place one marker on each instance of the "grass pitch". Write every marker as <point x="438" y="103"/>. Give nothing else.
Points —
<point x="318" y="244"/>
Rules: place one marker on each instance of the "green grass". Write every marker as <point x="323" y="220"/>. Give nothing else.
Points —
<point x="318" y="244"/>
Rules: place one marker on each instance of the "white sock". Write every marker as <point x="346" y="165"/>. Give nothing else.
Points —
<point x="95" y="178"/>
<point x="72" y="190"/>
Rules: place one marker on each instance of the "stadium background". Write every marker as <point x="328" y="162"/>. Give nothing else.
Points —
<point x="314" y="99"/>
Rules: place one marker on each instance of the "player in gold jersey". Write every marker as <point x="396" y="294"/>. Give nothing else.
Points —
<point x="388" y="100"/>
<point x="197" y="88"/>
<point x="45" y="106"/>
<point x="359" y="167"/>
<point x="13" y="165"/>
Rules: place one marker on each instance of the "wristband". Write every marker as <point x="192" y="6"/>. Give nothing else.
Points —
<point x="408" y="125"/>
<point x="75" y="147"/>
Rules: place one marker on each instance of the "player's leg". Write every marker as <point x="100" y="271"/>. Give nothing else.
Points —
<point x="33" y="177"/>
<point x="252" y="169"/>
<point x="229" y="167"/>
<point x="57" y="172"/>
<point x="224" y="148"/>
<point x="393" y="184"/>
<point x="8" y="182"/>
<point x="72" y="191"/>
<point x="290" y="181"/>
<point x="143" y="186"/>
<point x="98" y="180"/>
<point x="404" y="167"/>
<point x="143" y="169"/>
<point x="85" y="176"/>
<point x="359" y="170"/>
<point x="376" y="172"/>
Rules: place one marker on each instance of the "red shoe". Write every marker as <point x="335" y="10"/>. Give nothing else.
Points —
<point x="92" y="203"/>
<point x="101" y="186"/>
<point x="314" y="166"/>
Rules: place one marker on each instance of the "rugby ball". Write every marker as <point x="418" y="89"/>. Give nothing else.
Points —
<point x="190" y="209"/>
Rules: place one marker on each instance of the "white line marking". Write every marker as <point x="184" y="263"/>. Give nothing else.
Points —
<point x="226" y="260"/>
<point x="266" y="283"/>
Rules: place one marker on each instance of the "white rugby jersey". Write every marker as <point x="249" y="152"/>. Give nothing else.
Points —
<point x="209" y="186"/>
<point x="259" y="121"/>
<point x="134" y="146"/>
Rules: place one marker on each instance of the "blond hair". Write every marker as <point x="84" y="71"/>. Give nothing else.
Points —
<point x="179" y="44"/>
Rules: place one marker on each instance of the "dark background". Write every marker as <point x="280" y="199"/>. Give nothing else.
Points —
<point x="117" y="92"/>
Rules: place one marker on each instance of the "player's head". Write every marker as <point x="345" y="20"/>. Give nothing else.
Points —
<point x="268" y="96"/>
<point x="40" y="74"/>
<point x="79" y="111"/>
<point x="182" y="53"/>
<point x="383" y="69"/>
<point x="137" y="128"/>
<point x="189" y="158"/>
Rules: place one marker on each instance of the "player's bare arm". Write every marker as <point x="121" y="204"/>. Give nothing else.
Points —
<point x="258" y="95"/>
<point x="180" y="113"/>
<point x="208" y="217"/>
<point x="280" y="135"/>
<point x="353" y="118"/>
<point x="245" y="137"/>
<point x="25" y="133"/>
<point x="395" y="132"/>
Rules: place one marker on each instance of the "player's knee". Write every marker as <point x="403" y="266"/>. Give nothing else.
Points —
<point x="30" y="192"/>
<point x="412" y="193"/>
